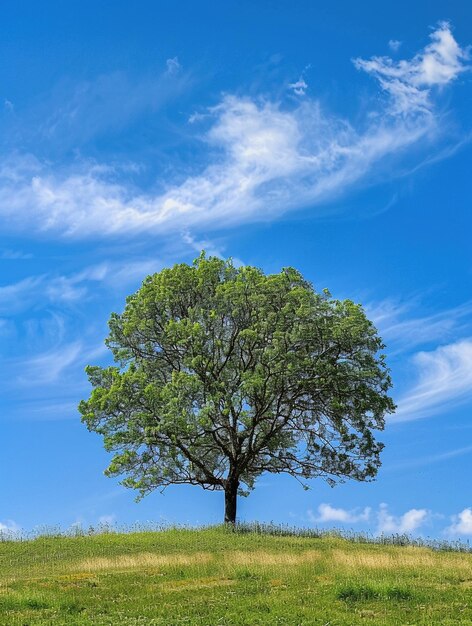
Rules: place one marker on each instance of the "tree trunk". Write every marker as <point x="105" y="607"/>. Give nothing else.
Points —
<point x="231" y="497"/>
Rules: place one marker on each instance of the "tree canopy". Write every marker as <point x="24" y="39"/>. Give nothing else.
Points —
<point x="223" y="373"/>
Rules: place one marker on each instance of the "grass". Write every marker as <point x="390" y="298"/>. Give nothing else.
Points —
<point x="215" y="576"/>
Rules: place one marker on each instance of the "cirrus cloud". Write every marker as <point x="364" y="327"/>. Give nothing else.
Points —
<point x="409" y="82"/>
<point x="264" y="159"/>
<point x="444" y="380"/>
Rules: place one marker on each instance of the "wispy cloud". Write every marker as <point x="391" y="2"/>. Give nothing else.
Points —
<point x="407" y="523"/>
<point x="14" y="255"/>
<point x="38" y="408"/>
<point x="441" y="377"/>
<point x="210" y="247"/>
<point x="12" y="297"/>
<point x="409" y="82"/>
<point x="35" y="292"/>
<point x="403" y="329"/>
<point x="444" y="381"/>
<point x="39" y="373"/>
<point x="270" y="161"/>
<point x="429" y="460"/>
<point x="48" y="367"/>
<point x="265" y="159"/>
<point x="45" y="289"/>
<point x="75" y="113"/>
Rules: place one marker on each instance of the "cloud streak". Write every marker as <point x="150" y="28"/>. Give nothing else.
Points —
<point x="45" y="289"/>
<point x="444" y="381"/>
<point x="429" y="460"/>
<point x="74" y="113"/>
<point x="49" y="366"/>
<point x="404" y="330"/>
<point x="264" y="159"/>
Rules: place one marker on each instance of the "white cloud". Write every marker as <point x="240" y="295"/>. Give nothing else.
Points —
<point x="444" y="380"/>
<point x="40" y="291"/>
<point x="442" y="377"/>
<point x="387" y="523"/>
<point x="45" y="289"/>
<point x="209" y="247"/>
<point x="462" y="523"/>
<point x="299" y="87"/>
<point x="270" y="161"/>
<point x="409" y="522"/>
<point x="12" y="297"/>
<point x="37" y="375"/>
<point x="48" y="366"/>
<point x="409" y="83"/>
<point x="327" y="513"/>
<point x="201" y="244"/>
<point x="394" y="45"/>
<point x="267" y="160"/>
<point x="9" y="529"/>
<point x="403" y="329"/>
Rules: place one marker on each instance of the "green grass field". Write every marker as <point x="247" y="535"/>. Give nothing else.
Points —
<point x="218" y="577"/>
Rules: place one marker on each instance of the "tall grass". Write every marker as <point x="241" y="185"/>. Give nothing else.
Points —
<point x="241" y="528"/>
<point x="252" y="574"/>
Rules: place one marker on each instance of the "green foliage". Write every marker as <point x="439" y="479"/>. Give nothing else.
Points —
<point x="224" y="373"/>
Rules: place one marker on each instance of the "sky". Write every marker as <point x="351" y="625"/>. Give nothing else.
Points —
<point x="333" y="137"/>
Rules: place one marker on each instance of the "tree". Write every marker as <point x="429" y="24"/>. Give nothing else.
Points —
<point x="224" y="373"/>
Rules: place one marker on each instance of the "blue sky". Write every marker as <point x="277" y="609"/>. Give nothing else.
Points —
<point x="332" y="137"/>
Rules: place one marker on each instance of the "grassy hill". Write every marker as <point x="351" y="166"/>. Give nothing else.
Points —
<point x="218" y="577"/>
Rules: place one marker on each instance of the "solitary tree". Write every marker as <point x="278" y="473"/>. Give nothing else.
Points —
<point x="224" y="373"/>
